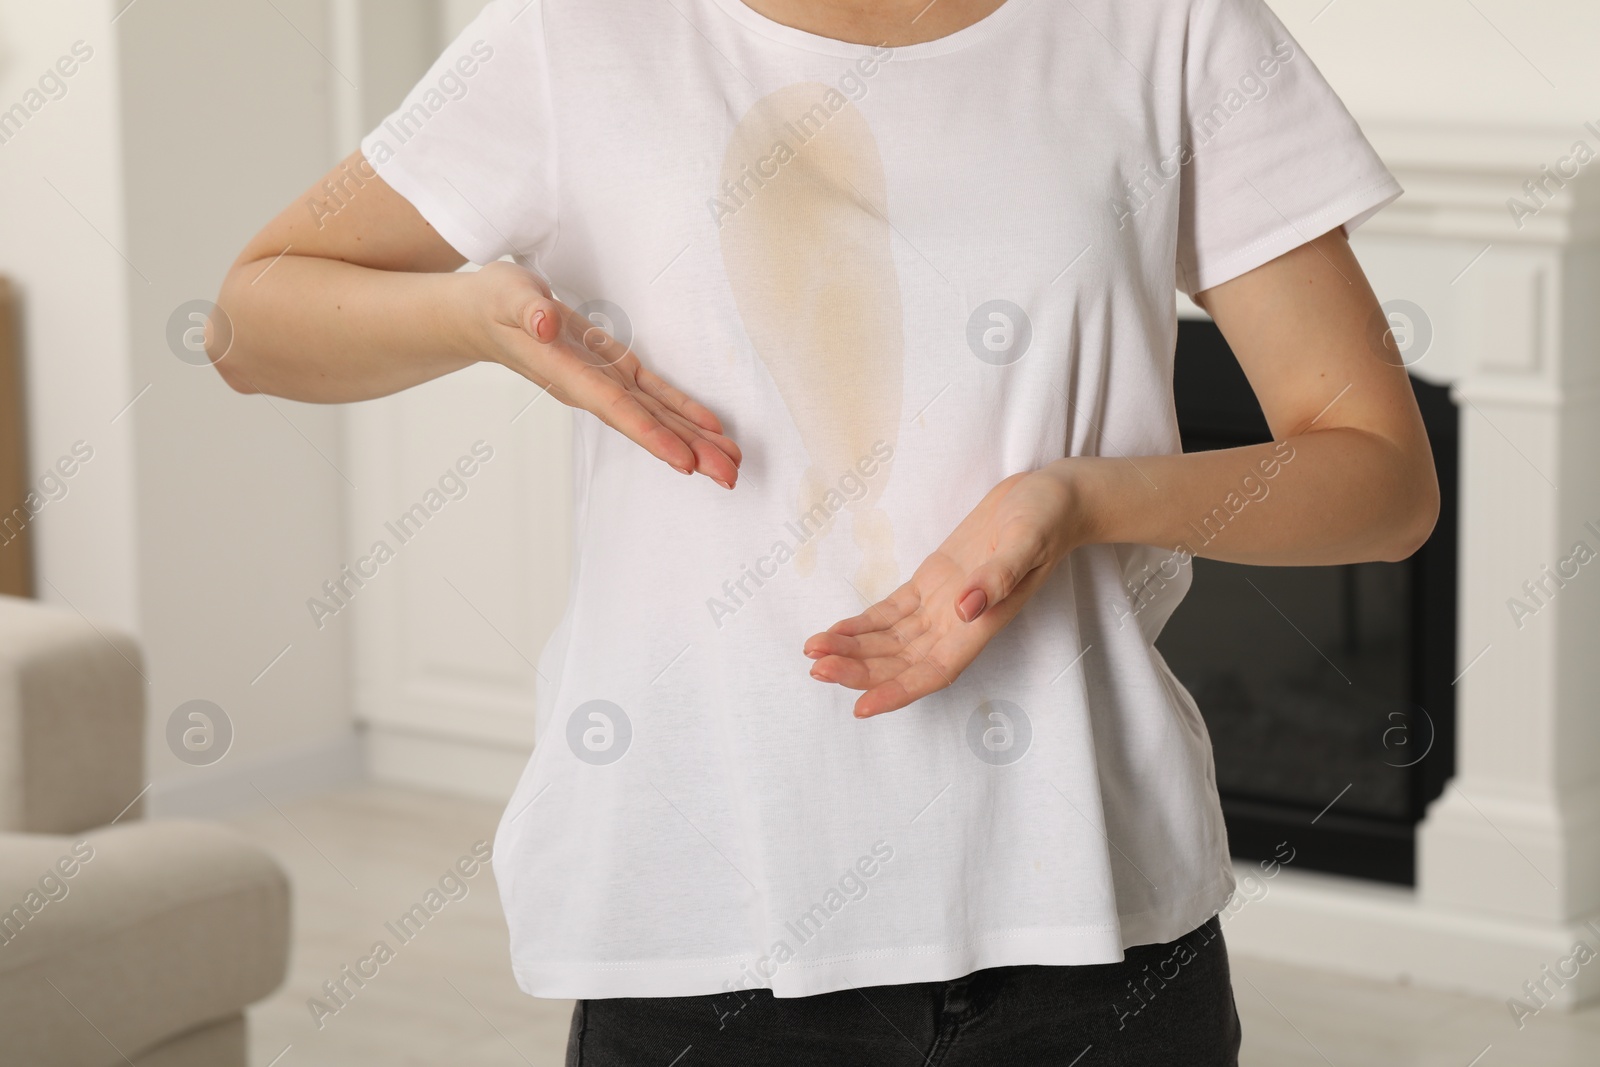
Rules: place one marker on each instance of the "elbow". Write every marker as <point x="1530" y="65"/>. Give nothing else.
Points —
<point x="1419" y="514"/>
<point x="230" y="371"/>
<point x="223" y="351"/>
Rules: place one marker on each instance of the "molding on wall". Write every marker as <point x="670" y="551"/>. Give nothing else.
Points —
<point x="1458" y="179"/>
<point x="483" y="769"/>
<point x="1383" y="932"/>
<point x="1519" y="392"/>
<point x="446" y="638"/>
<point x="231" y="787"/>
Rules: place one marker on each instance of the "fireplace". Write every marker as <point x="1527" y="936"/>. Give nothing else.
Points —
<point x="1327" y="691"/>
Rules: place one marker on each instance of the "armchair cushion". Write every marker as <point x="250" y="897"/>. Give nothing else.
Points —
<point x="71" y="720"/>
<point x="159" y="928"/>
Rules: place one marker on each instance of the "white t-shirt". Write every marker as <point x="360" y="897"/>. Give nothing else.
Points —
<point x="898" y="275"/>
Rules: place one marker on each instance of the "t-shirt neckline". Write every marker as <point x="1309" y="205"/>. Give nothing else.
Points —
<point x="796" y="38"/>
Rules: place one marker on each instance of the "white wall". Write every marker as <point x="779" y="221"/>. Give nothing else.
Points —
<point x="1448" y="61"/>
<point x="455" y="14"/>
<point x="226" y="119"/>
<point x="60" y="231"/>
<point x="204" y="518"/>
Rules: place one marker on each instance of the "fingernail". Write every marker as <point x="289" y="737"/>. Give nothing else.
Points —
<point x="538" y="321"/>
<point x="720" y="482"/>
<point x="972" y="605"/>
<point x="680" y="470"/>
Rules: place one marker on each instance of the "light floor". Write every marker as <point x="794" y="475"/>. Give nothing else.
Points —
<point x="360" y="858"/>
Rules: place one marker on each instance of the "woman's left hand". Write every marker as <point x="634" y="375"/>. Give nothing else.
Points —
<point x="919" y="638"/>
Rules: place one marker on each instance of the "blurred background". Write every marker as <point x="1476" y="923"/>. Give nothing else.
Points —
<point x="276" y="751"/>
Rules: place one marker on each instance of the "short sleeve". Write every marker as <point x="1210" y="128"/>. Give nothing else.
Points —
<point x="471" y="146"/>
<point x="1273" y="159"/>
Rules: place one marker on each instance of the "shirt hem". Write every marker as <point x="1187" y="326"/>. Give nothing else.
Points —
<point x="1047" y="946"/>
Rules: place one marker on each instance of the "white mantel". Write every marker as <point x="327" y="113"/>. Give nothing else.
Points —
<point x="1509" y="855"/>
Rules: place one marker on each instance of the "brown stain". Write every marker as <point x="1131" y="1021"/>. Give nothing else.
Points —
<point x="808" y="255"/>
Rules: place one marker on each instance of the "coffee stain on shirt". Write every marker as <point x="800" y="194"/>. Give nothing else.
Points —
<point x="803" y="220"/>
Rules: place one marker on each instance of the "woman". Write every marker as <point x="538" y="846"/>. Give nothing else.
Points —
<point x="897" y="279"/>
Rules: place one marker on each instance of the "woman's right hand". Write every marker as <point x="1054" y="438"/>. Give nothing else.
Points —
<point x="528" y="330"/>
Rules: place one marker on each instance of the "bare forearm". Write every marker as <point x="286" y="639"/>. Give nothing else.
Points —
<point x="325" y="331"/>
<point x="1332" y="496"/>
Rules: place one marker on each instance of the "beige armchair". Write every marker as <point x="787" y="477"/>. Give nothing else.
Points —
<point x="120" y="940"/>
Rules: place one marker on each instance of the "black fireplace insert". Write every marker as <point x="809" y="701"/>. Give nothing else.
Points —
<point x="1327" y="691"/>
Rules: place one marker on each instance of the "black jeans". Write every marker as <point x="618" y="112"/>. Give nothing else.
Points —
<point x="1163" y="1005"/>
